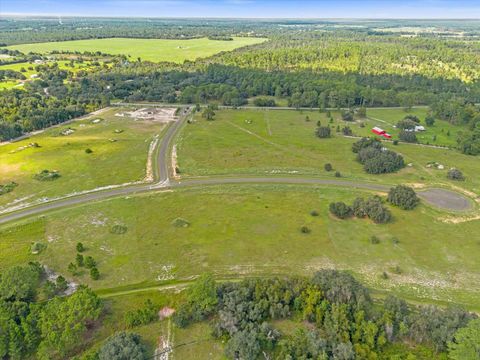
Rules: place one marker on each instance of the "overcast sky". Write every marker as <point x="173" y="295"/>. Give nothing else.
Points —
<point x="250" y="8"/>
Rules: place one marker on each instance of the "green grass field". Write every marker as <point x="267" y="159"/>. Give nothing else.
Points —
<point x="155" y="50"/>
<point x="112" y="162"/>
<point x="281" y="142"/>
<point x="246" y="230"/>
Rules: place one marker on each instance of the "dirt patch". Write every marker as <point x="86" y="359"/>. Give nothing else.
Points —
<point x="151" y="114"/>
<point x="151" y="149"/>
<point x="446" y="199"/>
<point x="165" y="312"/>
<point x="460" y="219"/>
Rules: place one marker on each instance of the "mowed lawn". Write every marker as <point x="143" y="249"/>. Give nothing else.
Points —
<point x="117" y="157"/>
<point x="155" y="50"/>
<point x="246" y="230"/>
<point x="283" y="143"/>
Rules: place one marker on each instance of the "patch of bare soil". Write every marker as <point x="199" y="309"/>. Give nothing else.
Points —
<point x="151" y="114"/>
<point x="165" y="312"/>
<point x="151" y="149"/>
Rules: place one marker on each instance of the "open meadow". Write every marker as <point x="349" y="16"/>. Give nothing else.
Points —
<point x="118" y="153"/>
<point x="283" y="143"/>
<point x="155" y="50"/>
<point x="247" y="230"/>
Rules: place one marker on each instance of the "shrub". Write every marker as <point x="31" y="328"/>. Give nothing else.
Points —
<point x="72" y="268"/>
<point x="406" y="124"/>
<point x="429" y="120"/>
<point x="180" y="222"/>
<point x="143" y="316"/>
<point x="403" y="197"/>
<point x="366" y="143"/>
<point x="80" y="247"/>
<point x="314" y="213"/>
<point x="37" y="247"/>
<point x="328" y="167"/>
<point x="123" y="346"/>
<point x="395" y="142"/>
<point x="376" y="211"/>
<point x="347" y="115"/>
<point x="89" y="262"/>
<point x="80" y="260"/>
<point x="455" y="174"/>
<point x="7" y="187"/>
<point x="340" y="210"/>
<point x="323" y="132"/>
<point x="94" y="273"/>
<point x="263" y="101"/>
<point x="413" y="118"/>
<point x="338" y="174"/>
<point x="46" y="175"/>
<point x="118" y="229"/>
<point x="88" y="151"/>
<point x="305" y="230"/>
<point x="407" y="136"/>
<point x="347" y="131"/>
<point x="374" y="240"/>
<point x="358" y="208"/>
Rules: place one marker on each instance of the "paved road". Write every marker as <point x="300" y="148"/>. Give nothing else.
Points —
<point x="451" y="201"/>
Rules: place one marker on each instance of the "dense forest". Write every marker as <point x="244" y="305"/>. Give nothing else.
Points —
<point x="333" y="317"/>
<point x="307" y="67"/>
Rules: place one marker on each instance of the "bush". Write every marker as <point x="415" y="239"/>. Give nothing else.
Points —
<point x="118" y="229"/>
<point x="314" y="213"/>
<point x="94" y="273"/>
<point x="403" y="197"/>
<point x="413" y="118"/>
<point x="305" y="230"/>
<point x="323" y="132"/>
<point x="364" y="143"/>
<point x="347" y="131"/>
<point x="358" y="208"/>
<point x="340" y="210"/>
<point x="406" y="124"/>
<point x="328" y="167"/>
<point x="455" y="174"/>
<point x="143" y="316"/>
<point x="180" y="222"/>
<point x="374" y="240"/>
<point x="429" y="120"/>
<point x="46" y="175"/>
<point x="338" y="174"/>
<point x="89" y="262"/>
<point x="347" y="115"/>
<point x="80" y="247"/>
<point x="123" y="346"/>
<point x="407" y="136"/>
<point x="263" y="101"/>
<point x="373" y="208"/>
<point x="88" y="151"/>
<point x="7" y="187"/>
<point x="80" y="260"/>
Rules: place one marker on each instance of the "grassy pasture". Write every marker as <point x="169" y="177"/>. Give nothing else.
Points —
<point x="281" y="142"/>
<point x="155" y="50"/>
<point x="244" y="230"/>
<point x="110" y="163"/>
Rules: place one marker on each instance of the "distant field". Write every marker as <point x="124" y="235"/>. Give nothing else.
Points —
<point x="282" y="142"/>
<point x="116" y="158"/>
<point x="239" y="230"/>
<point x="155" y="50"/>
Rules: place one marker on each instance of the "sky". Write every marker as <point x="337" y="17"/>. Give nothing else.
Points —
<point x="370" y="9"/>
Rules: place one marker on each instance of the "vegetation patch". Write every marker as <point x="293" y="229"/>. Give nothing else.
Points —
<point x="118" y="229"/>
<point x="47" y="175"/>
<point x="6" y="188"/>
<point x="181" y="223"/>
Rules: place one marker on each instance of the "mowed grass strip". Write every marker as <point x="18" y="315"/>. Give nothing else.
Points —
<point x="248" y="230"/>
<point x="283" y="143"/>
<point x="156" y="50"/>
<point x="116" y="158"/>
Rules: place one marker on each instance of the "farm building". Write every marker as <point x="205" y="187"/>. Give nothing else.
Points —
<point x="378" y="131"/>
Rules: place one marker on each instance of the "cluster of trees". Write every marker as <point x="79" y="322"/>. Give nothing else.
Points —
<point x="343" y="321"/>
<point x="375" y="158"/>
<point x="403" y="196"/>
<point x="372" y="208"/>
<point x="47" y="330"/>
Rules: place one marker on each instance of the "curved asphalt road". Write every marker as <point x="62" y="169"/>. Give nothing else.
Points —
<point x="163" y="156"/>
